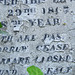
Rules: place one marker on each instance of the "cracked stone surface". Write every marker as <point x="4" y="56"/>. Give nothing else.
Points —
<point x="39" y="33"/>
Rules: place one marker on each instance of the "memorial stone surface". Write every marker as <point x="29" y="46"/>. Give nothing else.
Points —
<point x="38" y="33"/>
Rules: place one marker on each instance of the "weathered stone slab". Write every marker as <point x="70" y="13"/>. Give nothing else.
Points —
<point x="39" y="33"/>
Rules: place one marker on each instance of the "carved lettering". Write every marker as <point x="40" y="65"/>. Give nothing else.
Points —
<point x="41" y="22"/>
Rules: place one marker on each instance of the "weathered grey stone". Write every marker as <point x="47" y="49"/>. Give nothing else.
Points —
<point x="39" y="33"/>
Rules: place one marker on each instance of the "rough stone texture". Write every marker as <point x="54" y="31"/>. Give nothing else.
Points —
<point x="37" y="36"/>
